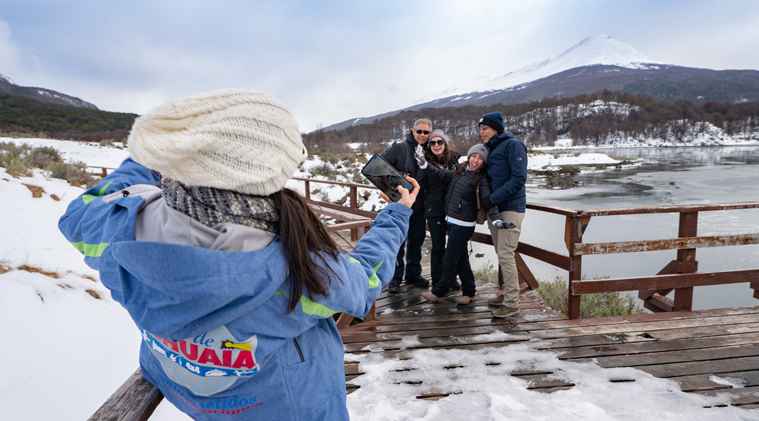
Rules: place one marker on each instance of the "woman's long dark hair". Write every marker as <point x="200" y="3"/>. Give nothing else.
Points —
<point x="478" y="173"/>
<point x="303" y="233"/>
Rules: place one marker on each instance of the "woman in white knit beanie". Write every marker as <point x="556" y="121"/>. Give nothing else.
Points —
<point x="229" y="276"/>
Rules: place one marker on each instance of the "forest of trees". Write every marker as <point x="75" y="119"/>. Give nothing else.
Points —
<point x="24" y="115"/>
<point x="596" y="119"/>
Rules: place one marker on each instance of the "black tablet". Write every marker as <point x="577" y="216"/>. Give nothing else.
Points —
<point x="385" y="177"/>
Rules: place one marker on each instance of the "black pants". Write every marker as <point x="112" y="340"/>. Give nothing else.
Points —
<point x="412" y="249"/>
<point x="456" y="260"/>
<point x="438" y="228"/>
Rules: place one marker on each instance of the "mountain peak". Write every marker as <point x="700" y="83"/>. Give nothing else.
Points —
<point x="602" y="49"/>
<point x="599" y="49"/>
<point x="7" y="79"/>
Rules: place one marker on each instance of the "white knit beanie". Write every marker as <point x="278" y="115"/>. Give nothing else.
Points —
<point x="234" y="139"/>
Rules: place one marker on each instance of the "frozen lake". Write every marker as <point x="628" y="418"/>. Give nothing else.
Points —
<point x="670" y="176"/>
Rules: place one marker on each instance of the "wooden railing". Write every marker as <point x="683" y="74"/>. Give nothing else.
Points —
<point x="679" y="275"/>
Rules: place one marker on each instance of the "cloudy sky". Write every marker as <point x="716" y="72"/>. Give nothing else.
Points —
<point x="332" y="60"/>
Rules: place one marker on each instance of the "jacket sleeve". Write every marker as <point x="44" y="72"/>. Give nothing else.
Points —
<point x="439" y="173"/>
<point x="516" y="154"/>
<point x="89" y="224"/>
<point x="485" y="193"/>
<point x="391" y="155"/>
<point x="366" y="269"/>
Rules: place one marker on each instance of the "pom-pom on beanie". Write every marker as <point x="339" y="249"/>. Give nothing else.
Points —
<point x="480" y="149"/>
<point x="234" y="139"/>
<point x="494" y="120"/>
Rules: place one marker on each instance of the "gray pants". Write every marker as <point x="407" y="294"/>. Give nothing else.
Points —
<point x="506" y="241"/>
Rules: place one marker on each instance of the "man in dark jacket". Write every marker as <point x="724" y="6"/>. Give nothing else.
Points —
<point x="401" y="156"/>
<point x="507" y="169"/>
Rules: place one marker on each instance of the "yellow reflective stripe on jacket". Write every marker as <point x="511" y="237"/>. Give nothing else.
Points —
<point x="373" y="280"/>
<point x="87" y="198"/>
<point x="311" y="307"/>
<point x="90" y="250"/>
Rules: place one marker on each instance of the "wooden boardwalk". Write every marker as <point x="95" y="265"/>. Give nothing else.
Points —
<point x="687" y="347"/>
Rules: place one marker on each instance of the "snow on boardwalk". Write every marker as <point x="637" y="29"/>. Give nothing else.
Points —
<point x="420" y="360"/>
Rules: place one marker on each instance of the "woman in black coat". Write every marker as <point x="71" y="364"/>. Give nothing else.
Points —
<point x="461" y="218"/>
<point x="438" y="155"/>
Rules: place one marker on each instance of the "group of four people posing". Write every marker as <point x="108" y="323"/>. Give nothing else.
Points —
<point x="492" y="178"/>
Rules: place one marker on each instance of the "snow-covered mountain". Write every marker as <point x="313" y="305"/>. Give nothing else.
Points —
<point x="596" y="63"/>
<point x="7" y="79"/>
<point x="49" y="96"/>
<point x="594" y="50"/>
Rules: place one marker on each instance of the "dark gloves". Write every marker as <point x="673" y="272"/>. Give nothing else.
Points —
<point x="487" y="203"/>
<point x="504" y="225"/>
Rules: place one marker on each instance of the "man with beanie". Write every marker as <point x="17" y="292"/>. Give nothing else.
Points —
<point x="507" y="169"/>
<point x="401" y="157"/>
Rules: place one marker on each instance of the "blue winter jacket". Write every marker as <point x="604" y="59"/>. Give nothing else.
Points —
<point x="217" y="340"/>
<point x="507" y="169"/>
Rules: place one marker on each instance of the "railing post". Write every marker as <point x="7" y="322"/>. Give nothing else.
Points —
<point x="572" y="235"/>
<point x="354" y="205"/>
<point x="687" y="257"/>
<point x="308" y="189"/>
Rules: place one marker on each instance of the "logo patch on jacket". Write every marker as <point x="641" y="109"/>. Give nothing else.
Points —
<point x="213" y="354"/>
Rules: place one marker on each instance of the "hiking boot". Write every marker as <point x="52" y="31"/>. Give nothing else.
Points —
<point x="505" y="311"/>
<point x="429" y="296"/>
<point x="496" y="301"/>
<point x="393" y="287"/>
<point x="420" y="282"/>
<point x="464" y="300"/>
<point x="456" y="286"/>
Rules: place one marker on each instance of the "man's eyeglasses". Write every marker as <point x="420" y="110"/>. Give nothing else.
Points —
<point x="483" y="128"/>
<point x="437" y="142"/>
<point x="422" y="131"/>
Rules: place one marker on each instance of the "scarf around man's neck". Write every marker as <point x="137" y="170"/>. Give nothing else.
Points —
<point x="211" y="206"/>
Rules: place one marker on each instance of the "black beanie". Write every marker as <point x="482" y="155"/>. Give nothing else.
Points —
<point x="494" y="120"/>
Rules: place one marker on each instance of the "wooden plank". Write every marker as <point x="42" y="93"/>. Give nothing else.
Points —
<point x="672" y="267"/>
<point x="332" y="206"/>
<point x="744" y="397"/>
<point x="724" y="339"/>
<point x="668" y="209"/>
<point x="666" y="281"/>
<point x="702" y="367"/>
<point x="135" y="400"/>
<point x="659" y="303"/>
<point x="558" y="210"/>
<point x="586" y="249"/>
<point x="554" y="259"/>
<point x="343" y="214"/>
<point x="337" y="183"/>
<point x="350" y="225"/>
<point x="702" y="355"/>
<point x="701" y="382"/>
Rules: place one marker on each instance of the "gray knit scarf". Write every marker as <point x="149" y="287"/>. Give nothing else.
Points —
<point x="211" y="206"/>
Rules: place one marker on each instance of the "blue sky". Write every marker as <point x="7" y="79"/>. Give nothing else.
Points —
<point x="334" y="60"/>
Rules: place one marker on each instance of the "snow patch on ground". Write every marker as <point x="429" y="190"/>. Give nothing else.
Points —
<point x="485" y="389"/>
